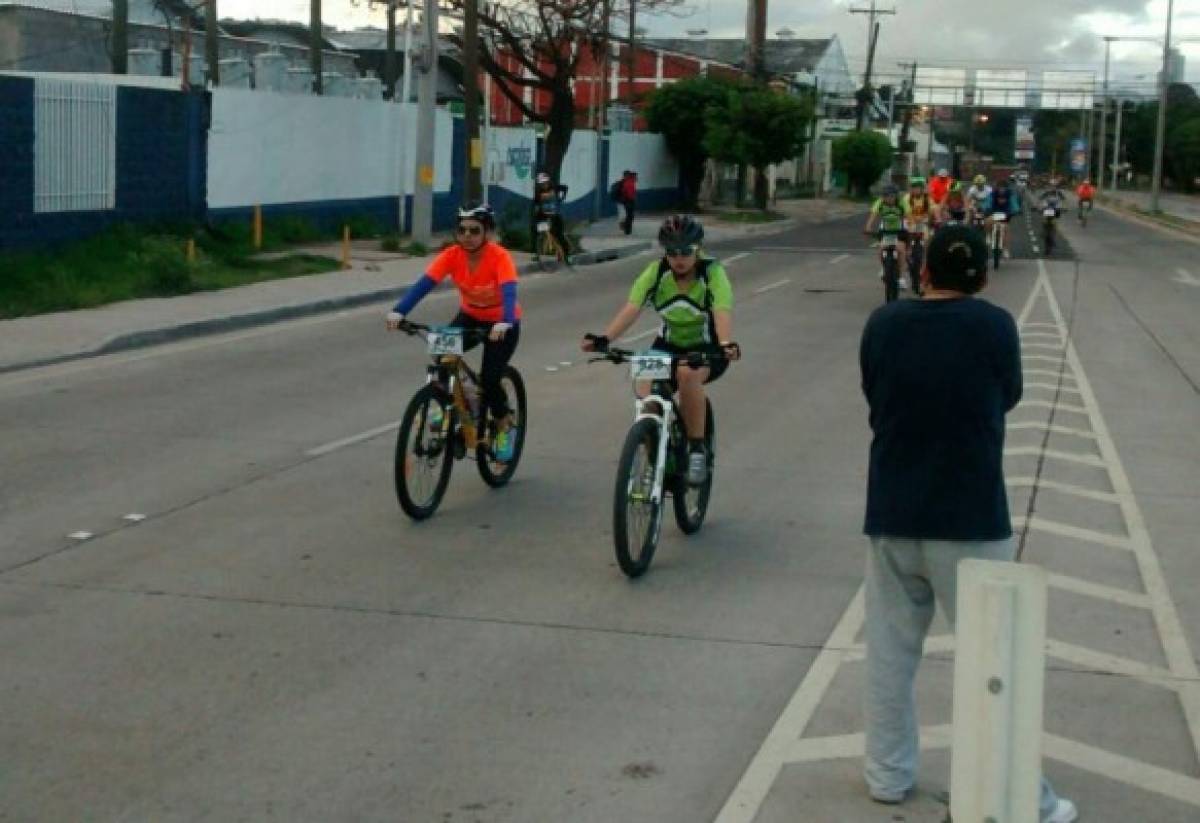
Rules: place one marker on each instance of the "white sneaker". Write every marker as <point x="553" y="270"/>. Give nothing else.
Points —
<point x="1064" y="812"/>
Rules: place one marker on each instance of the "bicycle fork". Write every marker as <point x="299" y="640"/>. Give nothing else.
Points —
<point x="663" y="419"/>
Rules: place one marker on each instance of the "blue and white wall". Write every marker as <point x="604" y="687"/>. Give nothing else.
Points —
<point x="79" y="153"/>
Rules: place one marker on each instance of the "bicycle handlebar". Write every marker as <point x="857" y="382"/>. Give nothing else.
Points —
<point x="413" y="329"/>
<point x="695" y="359"/>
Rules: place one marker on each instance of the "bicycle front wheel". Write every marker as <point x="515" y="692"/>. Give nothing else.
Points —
<point x="424" y="452"/>
<point x="495" y="472"/>
<point x="891" y="279"/>
<point x="637" y="518"/>
<point x="547" y="251"/>
<point x="691" y="502"/>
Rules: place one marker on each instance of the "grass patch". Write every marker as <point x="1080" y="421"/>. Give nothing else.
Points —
<point x="128" y="263"/>
<point x="749" y="216"/>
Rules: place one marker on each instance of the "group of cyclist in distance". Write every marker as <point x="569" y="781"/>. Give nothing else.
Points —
<point x="907" y="221"/>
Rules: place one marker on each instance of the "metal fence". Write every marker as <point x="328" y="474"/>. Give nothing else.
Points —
<point x="75" y="146"/>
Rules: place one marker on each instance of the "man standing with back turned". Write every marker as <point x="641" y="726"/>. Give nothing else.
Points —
<point x="939" y="375"/>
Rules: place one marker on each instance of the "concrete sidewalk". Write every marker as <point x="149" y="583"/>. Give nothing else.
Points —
<point x="1182" y="206"/>
<point x="374" y="277"/>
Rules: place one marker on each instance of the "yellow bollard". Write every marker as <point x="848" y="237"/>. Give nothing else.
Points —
<point x="345" y="247"/>
<point x="191" y="251"/>
<point x="258" y="227"/>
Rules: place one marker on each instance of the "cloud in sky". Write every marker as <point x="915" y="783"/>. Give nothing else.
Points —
<point x="1033" y="34"/>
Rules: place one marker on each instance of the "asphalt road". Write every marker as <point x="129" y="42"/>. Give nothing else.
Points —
<point x="275" y="640"/>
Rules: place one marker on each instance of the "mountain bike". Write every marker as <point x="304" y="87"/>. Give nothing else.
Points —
<point x="996" y="237"/>
<point x="889" y="257"/>
<point x="654" y="459"/>
<point x="444" y="422"/>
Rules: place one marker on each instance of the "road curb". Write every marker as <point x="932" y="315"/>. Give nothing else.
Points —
<point x="147" y="338"/>
<point x="1118" y="209"/>
<point x="592" y="258"/>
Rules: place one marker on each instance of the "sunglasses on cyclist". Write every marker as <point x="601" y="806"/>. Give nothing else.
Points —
<point x="470" y="231"/>
<point x="681" y="251"/>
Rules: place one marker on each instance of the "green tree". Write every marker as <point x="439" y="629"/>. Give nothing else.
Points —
<point x="757" y="126"/>
<point x="1182" y="154"/>
<point x="863" y="156"/>
<point x="678" y="112"/>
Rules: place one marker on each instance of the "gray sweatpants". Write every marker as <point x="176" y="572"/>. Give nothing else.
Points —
<point x="904" y="577"/>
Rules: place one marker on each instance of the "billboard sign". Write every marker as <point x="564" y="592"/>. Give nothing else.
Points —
<point x="1026" y="145"/>
<point x="1078" y="155"/>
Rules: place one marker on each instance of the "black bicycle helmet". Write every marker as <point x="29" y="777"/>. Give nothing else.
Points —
<point x="680" y="230"/>
<point x="478" y="211"/>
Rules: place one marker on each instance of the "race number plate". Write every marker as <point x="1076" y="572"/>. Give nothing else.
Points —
<point x="1000" y="217"/>
<point x="1049" y="213"/>
<point x="888" y="240"/>
<point x="543" y="226"/>
<point x="446" y="341"/>
<point x="650" y="367"/>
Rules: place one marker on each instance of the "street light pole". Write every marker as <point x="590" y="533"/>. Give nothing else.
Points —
<point x="1104" y="117"/>
<point x="1160" y="138"/>
<point x="422" y="222"/>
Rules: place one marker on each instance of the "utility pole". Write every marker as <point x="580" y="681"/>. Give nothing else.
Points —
<point x="389" y="54"/>
<point x="632" y="57"/>
<point x="1117" y="145"/>
<point x="316" y="46"/>
<point x="1104" y="116"/>
<point x="873" y="37"/>
<point x="212" y="43"/>
<point x="912" y="99"/>
<point x="756" y="40"/>
<point x="1163" y="80"/>
<point x="473" y="184"/>
<point x="405" y="93"/>
<point x="120" y="39"/>
<point x="426" y="115"/>
<point x="601" y="111"/>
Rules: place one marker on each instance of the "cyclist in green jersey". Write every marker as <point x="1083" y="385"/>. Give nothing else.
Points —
<point x="693" y="296"/>
<point x="889" y="213"/>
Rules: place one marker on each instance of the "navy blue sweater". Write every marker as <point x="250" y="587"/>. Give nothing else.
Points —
<point x="939" y="376"/>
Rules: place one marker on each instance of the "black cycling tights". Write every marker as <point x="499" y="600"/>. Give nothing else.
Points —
<point x="495" y="358"/>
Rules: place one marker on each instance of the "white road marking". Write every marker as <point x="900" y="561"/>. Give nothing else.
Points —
<point x="1046" y="404"/>
<point x="1052" y="387"/>
<point x="1036" y="324"/>
<point x="784" y="743"/>
<point x="1057" y="375"/>
<point x="771" y="286"/>
<point x="1025" y="335"/>
<point x="736" y="257"/>
<point x="80" y="535"/>
<point x="839" y="259"/>
<point x="1042" y="524"/>
<point x="1045" y="358"/>
<point x="1043" y="346"/>
<point x="1064" y="488"/>
<point x="1186" y="277"/>
<point x="134" y="518"/>
<point x="1041" y="425"/>
<point x="352" y="440"/>
<point x="1122" y="597"/>
<point x="1055" y="454"/>
<point x="564" y="362"/>
<point x="552" y="368"/>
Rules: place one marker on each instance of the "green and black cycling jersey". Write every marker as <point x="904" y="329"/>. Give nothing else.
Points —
<point x="891" y="217"/>
<point x="687" y="317"/>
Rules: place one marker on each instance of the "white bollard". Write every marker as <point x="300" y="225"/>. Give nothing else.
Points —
<point x="999" y="673"/>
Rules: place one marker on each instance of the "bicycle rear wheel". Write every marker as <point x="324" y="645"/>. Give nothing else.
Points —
<point x="637" y="519"/>
<point x="494" y="472"/>
<point x="548" y="253"/>
<point x="691" y="502"/>
<point x="424" y="452"/>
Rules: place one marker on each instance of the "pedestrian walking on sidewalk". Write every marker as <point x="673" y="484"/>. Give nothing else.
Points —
<point x="628" y="199"/>
<point x="939" y="375"/>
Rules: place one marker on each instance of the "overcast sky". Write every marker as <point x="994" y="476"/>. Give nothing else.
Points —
<point x="995" y="33"/>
